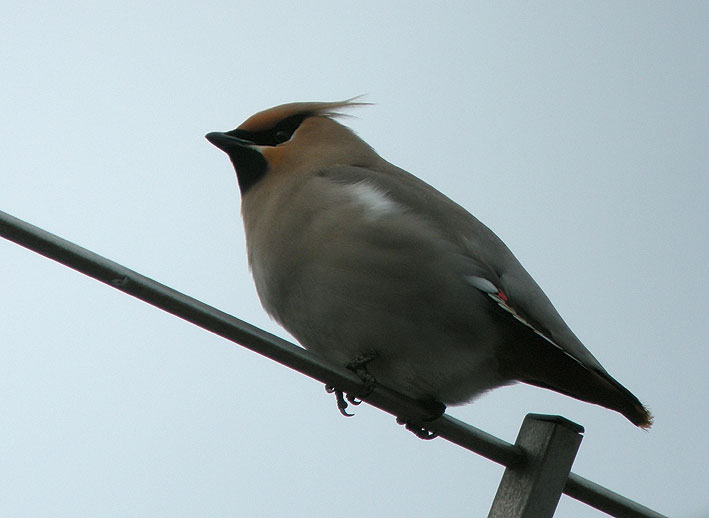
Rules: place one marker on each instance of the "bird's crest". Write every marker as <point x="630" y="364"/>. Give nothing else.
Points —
<point x="267" y="119"/>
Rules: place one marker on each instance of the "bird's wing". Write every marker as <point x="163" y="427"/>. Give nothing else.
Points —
<point x="493" y="268"/>
<point x="542" y="349"/>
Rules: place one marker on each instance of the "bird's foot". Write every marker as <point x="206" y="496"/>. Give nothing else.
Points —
<point x="358" y="365"/>
<point x="435" y="409"/>
<point x="418" y="430"/>
<point x="340" y="398"/>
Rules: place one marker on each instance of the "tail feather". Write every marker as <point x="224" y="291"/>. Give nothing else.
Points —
<point x="606" y="392"/>
<point x="546" y="367"/>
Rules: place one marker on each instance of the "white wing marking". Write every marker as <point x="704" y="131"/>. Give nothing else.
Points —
<point x="374" y="200"/>
<point x="498" y="296"/>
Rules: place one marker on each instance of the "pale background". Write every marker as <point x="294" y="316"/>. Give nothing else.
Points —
<point x="577" y="131"/>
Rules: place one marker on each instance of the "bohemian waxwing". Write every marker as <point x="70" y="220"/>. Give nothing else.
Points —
<point x="370" y="267"/>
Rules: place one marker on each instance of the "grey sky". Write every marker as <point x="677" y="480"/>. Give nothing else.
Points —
<point x="577" y="131"/>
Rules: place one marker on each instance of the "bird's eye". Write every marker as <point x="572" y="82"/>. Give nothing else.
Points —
<point x="281" y="136"/>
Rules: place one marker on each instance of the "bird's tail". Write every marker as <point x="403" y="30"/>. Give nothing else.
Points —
<point x="551" y="369"/>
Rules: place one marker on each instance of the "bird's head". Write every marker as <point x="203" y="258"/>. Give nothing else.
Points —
<point x="292" y="138"/>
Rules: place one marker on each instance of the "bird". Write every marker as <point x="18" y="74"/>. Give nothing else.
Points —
<point x="371" y="268"/>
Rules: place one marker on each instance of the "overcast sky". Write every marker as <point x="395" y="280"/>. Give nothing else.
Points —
<point x="577" y="131"/>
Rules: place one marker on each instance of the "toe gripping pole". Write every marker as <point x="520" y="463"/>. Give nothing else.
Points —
<point x="532" y="488"/>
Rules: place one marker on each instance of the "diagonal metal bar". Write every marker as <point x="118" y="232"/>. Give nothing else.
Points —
<point x="251" y="337"/>
<point x="606" y="500"/>
<point x="290" y="355"/>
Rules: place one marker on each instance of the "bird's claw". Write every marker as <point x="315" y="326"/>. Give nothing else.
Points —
<point x="355" y="400"/>
<point x="418" y="430"/>
<point x="359" y="366"/>
<point x="435" y="409"/>
<point x="341" y="401"/>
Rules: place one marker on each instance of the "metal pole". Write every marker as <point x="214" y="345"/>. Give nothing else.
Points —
<point x="533" y="489"/>
<point x="251" y="337"/>
<point x="606" y="500"/>
<point x="286" y="353"/>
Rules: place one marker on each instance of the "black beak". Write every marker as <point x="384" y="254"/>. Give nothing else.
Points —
<point x="249" y="163"/>
<point x="227" y="142"/>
